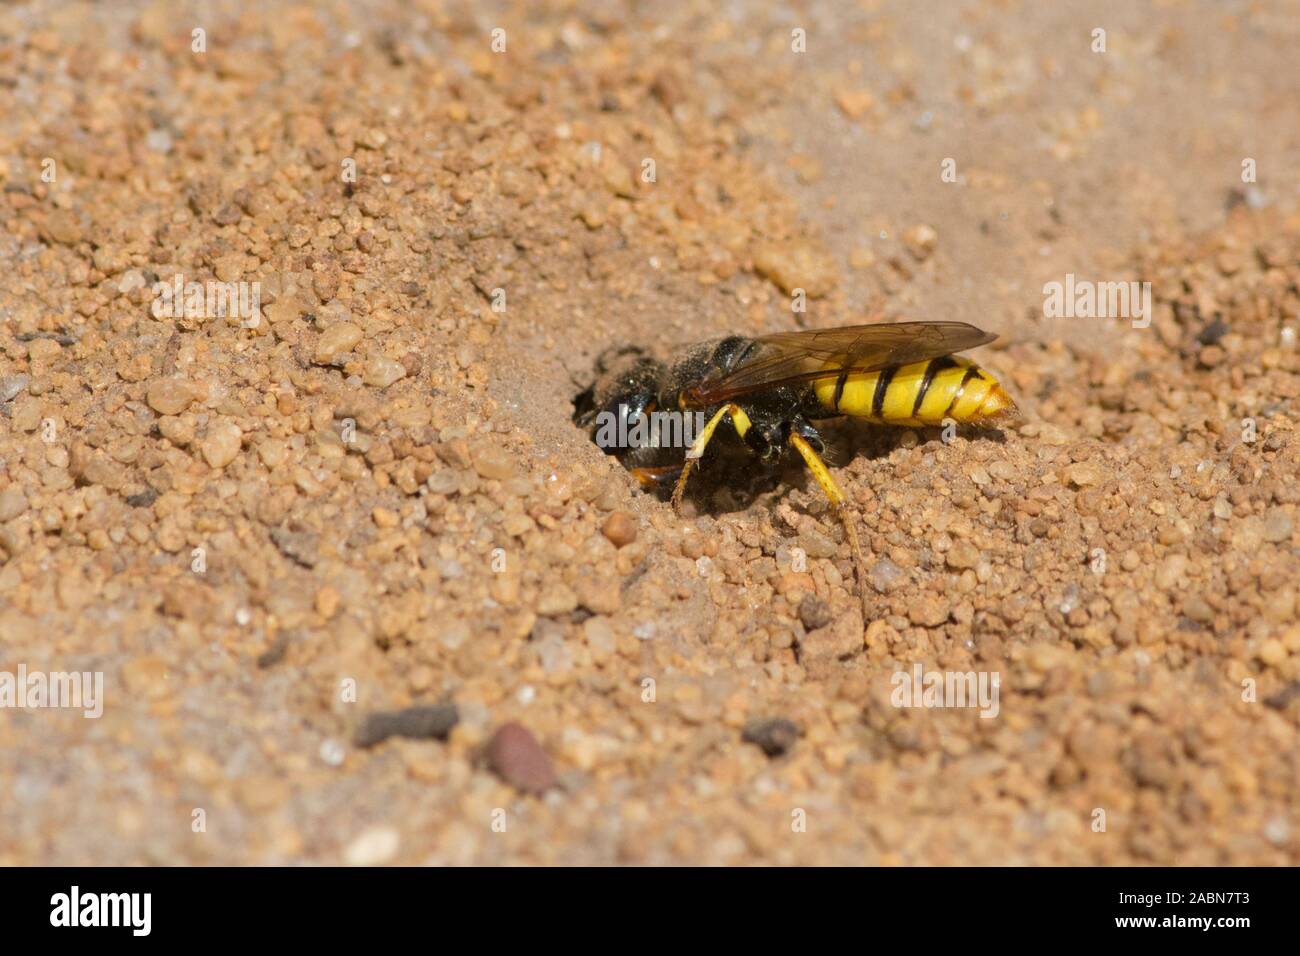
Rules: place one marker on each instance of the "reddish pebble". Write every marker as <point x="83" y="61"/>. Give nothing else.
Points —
<point x="519" y="759"/>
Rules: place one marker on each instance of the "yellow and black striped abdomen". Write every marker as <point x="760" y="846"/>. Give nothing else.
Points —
<point x="923" y="393"/>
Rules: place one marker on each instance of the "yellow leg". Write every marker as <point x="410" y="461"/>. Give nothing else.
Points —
<point x="739" y="420"/>
<point x="840" y="504"/>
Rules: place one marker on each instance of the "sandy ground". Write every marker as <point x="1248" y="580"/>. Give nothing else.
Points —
<point x="374" y="498"/>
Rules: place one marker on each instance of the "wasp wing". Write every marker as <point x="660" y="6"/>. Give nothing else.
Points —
<point x="789" y="358"/>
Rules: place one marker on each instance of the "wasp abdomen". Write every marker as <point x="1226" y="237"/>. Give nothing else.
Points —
<point x="922" y="393"/>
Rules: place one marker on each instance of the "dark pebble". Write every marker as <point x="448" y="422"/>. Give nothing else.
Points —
<point x="1282" y="698"/>
<point x="1212" y="333"/>
<point x="143" y="500"/>
<point x="421" y="723"/>
<point x="275" y="653"/>
<point x="815" y="612"/>
<point x="774" y="736"/>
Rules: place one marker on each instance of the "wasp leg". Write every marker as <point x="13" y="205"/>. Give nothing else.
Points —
<point x="653" y="476"/>
<point x="739" y="421"/>
<point x="840" y="504"/>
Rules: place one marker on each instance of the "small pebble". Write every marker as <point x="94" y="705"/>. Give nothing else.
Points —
<point x="775" y="736"/>
<point x="620" y="529"/>
<point x="492" y="461"/>
<point x="1084" y="474"/>
<point x="221" y="445"/>
<point x="12" y="503"/>
<point x="169" y="396"/>
<point x="516" y="756"/>
<point x="11" y="385"/>
<point x="337" y="340"/>
<point x="962" y="555"/>
<point x="382" y="371"/>
<point x="556" y="601"/>
<point x="814" y="612"/>
<point x="920" y="241"/>
<point x="1272" y="652"/>
<point x="373" y="846"/>
<point x="886" y="576"/>
<point x="928" y="610"/>
<point x="433" y="721"/>
<point x="798" y="264"/>
<point x="332" y="752"/>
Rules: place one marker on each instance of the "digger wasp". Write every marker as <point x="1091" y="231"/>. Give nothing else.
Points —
<point x="772" y="388"/>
